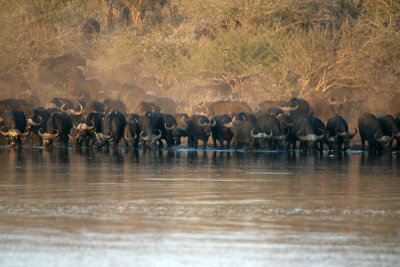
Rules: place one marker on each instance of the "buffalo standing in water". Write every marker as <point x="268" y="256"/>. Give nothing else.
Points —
<point x="370" y="130"/>
<point x="112" y="130"/>
<point x="58" y="127"/>
<point x="14" y="124"/>
<point x="338" y="136"/>
<point x="198" y="127"/>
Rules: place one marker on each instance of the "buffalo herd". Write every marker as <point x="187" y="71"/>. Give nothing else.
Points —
<point x="277" y="125"/>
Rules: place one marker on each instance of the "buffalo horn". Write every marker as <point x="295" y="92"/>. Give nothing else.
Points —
<point x="81" y="95"/>
<point x="213" y="123"/>
<point x="158" y="136"/>
<point x="259" y="135"/>
<point x="288" y="109"/>
<point x="31" y="122"/>
<point x="71" y="111"/>
<point x="169" y="128"/>
<point x="145" y="138"/>
<point x="202" y="124"/>
<point x="309" y="137"/>
<point x="384" y="138"/>
<point x="351" y="135"/>
<point x="229" y="125"/>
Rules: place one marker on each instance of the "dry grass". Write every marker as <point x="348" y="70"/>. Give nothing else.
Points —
<point x="288" y="47"/>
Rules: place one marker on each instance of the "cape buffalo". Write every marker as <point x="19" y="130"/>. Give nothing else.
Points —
<point x="198" y="127"/>
<point x="14" y="127"/>
<point x="389" y="128"/>
<point x="220" y="132"/>
<point x="338" y="136"/>
<point x="246" y="133"/>
<point x="58" y="127"/>
<point x="150" y="132"/>
<point x="112" y="130"/>
<point x="269" y="124"/>
<point x="371" y="131"/>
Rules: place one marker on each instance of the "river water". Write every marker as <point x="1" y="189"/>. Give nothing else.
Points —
<point x="197" y="208"/>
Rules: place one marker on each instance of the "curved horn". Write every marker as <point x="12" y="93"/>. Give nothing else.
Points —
<point x="54" y="135"/>
<point x="5" y="133"/>
<point x="159" y="135"/>
<point x="384" y="138"/>
<point x="76" y="113"/>
<point x="351" y="135"/>
<point x="202" y="124"/>
<point x="26" y="133"/>
<point x="159" y="84"/>
<point x="62" y="107"/>
<point x="89" y="128"/>
<point x="106" y="136"/>
<point x="332" y="101"/>
<point x="183" y="128"/>
<point x="169" y="128"/>
<point x="213" y="123"/>
<point x="259" y="135"/>
<point x="229" y="125"/>
<point x="308" y="137"/>
<point x="268" y="136"/>
<point x="40" y="132"/>
<point x="31" y="122"/>
<point x="128" y="138"/>
<point x="144" y="138"/>
<point x="288" y="109"/>
<point x="81" y="95"/>
<point x="105" y="107"/>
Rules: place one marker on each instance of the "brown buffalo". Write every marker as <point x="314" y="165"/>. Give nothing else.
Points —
<point x="227" y="107"/>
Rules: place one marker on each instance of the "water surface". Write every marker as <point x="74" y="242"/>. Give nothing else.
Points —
<point x="197" y="208"/>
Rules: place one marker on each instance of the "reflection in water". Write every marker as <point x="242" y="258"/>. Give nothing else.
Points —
<point x="197" y="208"/>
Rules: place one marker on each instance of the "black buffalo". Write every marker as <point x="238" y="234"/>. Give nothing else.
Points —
<point x="85" y="131"/>
<point x="14" y="127"/>
<point x="338" y="136"/>
<point x="247" y="133"/>
<point x="181" y="119"/>
<point x="198" y="127"/>
<point x="320" y="132"/>
<point x="389" y="128"/>
<point x="173" y="131"/>
<point x="270" y="125"/>
<point x="58" y="127"/>
<point x="371" y="131"/>
<point x="303" y="130"/>
<point x="296" y="107"/>
<point x="150" y="132"/>
<point x="37" y="122"/>
<point x="112" y="130"/>
<point x="131" y="134"/>
<point x="221" y="133"/>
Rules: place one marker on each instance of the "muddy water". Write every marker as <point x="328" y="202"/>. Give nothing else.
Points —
<point x="197" y="208"/>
